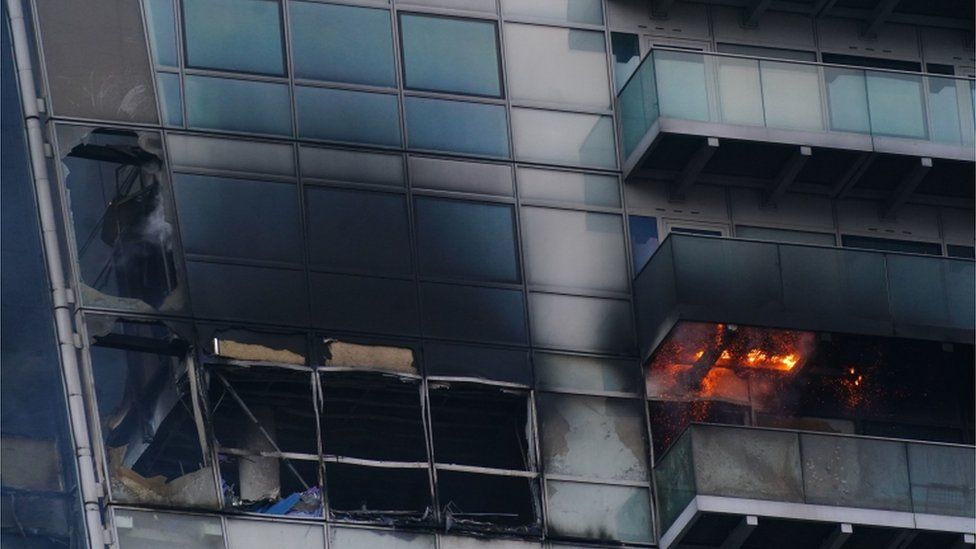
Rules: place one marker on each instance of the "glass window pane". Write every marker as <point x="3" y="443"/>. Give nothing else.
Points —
<point x="443" y="359"/>
<point x="895" y="102"/>
<point x="342" y="43"/>
<point x="234" y="35"/>
<point x="593" y="510"/>
<point x="500" y="417"/>
<point x="581" y="323"/>
<point x="564" y="138"/>
<point x="554" y="65"/>
<point x="626" y="57"/>
<point x="944" y="111"/>
<point x="588" y="12"/>
<point x="890" y="244"/>
<point x="785" y="235"/>
<point x="468" y="240"/>
<point x="487" y="6"/>
<point x="791" y="96"/>
<point x="584" y="373"/>
<point x="253" y="534"/>
<point x="457" y="175"/>
<point x="357" y="231"/>
<point x="239" y="218"/>
<point x="359" y="538"/>
<point x="123" y="219"/>
<point x="847" y="100"/>
<point x="454" y="126"/>
<point x="230" y="155"/>
<point x="593" y="437"/>
<point x="364" y="304"/>
<point x="162" y="31"/>
<point x="140" y="529"/>
<point x="170" y="98"/>
<point x="238" y="105"/>
<point x="352" y="166"/>
<point x="739" y="90"/>
<point x="351" y="116"/>
<point x="643" y="239"/>
<point x="237" y="292"/>
<point x="450" y="55"/>
<point x="473" y="314"/>
<point x="577" y="250"/>
<point x="583" y="189"/>
<point x="681" y="89"/>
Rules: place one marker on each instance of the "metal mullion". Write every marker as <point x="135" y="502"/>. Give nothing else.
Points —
<point x="494" y="471"/>
<point x="579" y="292"/>
<point x="231" y="174"/>
<point x="358" y="273"/>
<point x="479" y="381"/>
<point x="569" y="206"/>
<point x="243" y="262"/>
<point x="340" y="144"/>
<point x="454" y="96"/>
<point x="318" y="183"/>
<point x="467" y="196"/>
<point x="404" y="6"/>
<point x="596" y="170"/>
<point x="469" y="283"/>
<point x="600" y="481"/>
<point x="235" y="75"/>
<point x="541" y="22"/>
<point x="339" y="85"/>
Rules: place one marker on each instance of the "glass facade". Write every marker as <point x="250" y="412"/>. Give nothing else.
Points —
<point x="368" y="266"/>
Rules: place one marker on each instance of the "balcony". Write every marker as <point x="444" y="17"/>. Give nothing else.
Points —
<point x="725" y="486"/>
<point x="800" y="287"/>
<point x="717" y="118"/>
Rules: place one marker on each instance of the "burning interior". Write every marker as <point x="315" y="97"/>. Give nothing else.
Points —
<point x="745" y="375"/>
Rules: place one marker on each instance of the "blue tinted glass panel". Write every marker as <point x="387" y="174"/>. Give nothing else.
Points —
<point x="954" y="250"/>
<point x="170" y="98"/>
<point x="643" y="239"/>
<point x="895" y="104"/>
<point x="162" y="31"/>
<point x="343" y="115"/>
<point x="455" y="126"/>
<point x="234" y="35"/>
<point x="451" y="55"/>
<point x="626" y="57"/>
<point x="473" y="314"/>
<point x="238" y="105"/>
<point x="238" y="292"/>
<point x="358" y="231"/>
<point x="238" y="218"/>
<point x="469" y="240"/>
<point x="847" y="99"/>
<point x="342" y="43"/>
<point x="364" y="304"/>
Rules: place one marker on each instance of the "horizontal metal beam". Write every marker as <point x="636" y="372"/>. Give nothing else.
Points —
<point x="907" y="186"/>
<point x="690" y="173"/>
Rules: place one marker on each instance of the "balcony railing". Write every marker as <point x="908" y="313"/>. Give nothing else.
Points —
<point x="799" y="96"/>
<point x="815" y="469"/>
<point x="796" y="286"/>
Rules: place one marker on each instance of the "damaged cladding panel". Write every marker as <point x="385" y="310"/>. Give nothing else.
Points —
<point x="227" y="344"/>
<point x="143" y="390"/>
<point x="97" y="60"/>
<point x="142" y="529"/>
<point x="357" y="356"/>
<point x="123" y="219"/>
<point x="485" y="502"/>
<point x="259" y="412"/>
<point x="596" y="511"/>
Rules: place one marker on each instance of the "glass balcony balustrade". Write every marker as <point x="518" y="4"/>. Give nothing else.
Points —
<point x="815" y="469"/>
<point x="797" y="96"/>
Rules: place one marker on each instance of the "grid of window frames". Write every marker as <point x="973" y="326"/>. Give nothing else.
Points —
<point x="444" y="196"/>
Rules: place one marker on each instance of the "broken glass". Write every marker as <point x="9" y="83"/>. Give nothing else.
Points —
<point x="123" y="219"/>
<point x="152" y="431"/>
<point x="384" y="495"/>
<point x="486" y="502"/>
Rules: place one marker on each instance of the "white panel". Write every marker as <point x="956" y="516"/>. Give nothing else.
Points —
<point x="703" y="203"/>
<point x="844" y="36"/>
<point x="792" y="211"/>
<point x="233" y="155"/>
<point x="914" y="222"/>
<point x="685" y="19"/>
<point x="948" y="46"/>
<point x="254" y="534"/>
<point x="958" y="226"/>
<point x="777" y="29"/>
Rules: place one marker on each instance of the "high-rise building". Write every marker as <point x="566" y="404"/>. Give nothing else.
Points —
<point x="510" y="274"/>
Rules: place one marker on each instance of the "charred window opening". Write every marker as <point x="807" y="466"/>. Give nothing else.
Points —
<point x="152" y="430"/>
<point x="484" y="457"/>
<point x="239" y="345"/>
<point x="121" y="210"/>
<point x="373" y="437"/>
<point x="800" y="380"/>
<point x="264" y="421"/>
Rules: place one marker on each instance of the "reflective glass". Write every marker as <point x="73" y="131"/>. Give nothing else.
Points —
<point x="895" y="102"/>
<point x="791" y="96"/>
<point x="681" y="86"/>
<point x="258" y="294"/>
<point x="584" y="373"/>
<point x="589" y="12"/>
<point x="944" y="113"/>
<point x="238" y="105"/>
<point x="595" y="510"/>
<point x="253" y="534"/>
<point x="847" y="100"/>
<point x="170" y="98"/>
<point x="141" y="529"/>
<point x="739" y="91"/>
<point x="584" y="189"/>
<point x="473" y="314"/>
<point x="450" y="55"/>
<point x="357" y="231"/>
<point x="461" y="176"/>
<point x="468" y="240"/>
<point x="230" y="155"/>
<point x="564" y="138"/>
<point x="342" y="43"/>
<point x="455" y="126"/>
<point x="234" y="35"/>
<point x="626" y="57"/>
<point x="577" y="250"/>
<point x="487" y="6"/>
<point x="554" y="65"/>
<point x="161" y="19"/>
<point x="581" y="323"/>
<point x="364" y="304"/>
<point x="352" y="166"/>
<point x="643" y="239"/>
<point x="352" y="116"/>
<point x="239" y="218"/>
<point x="359" y="538"/>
